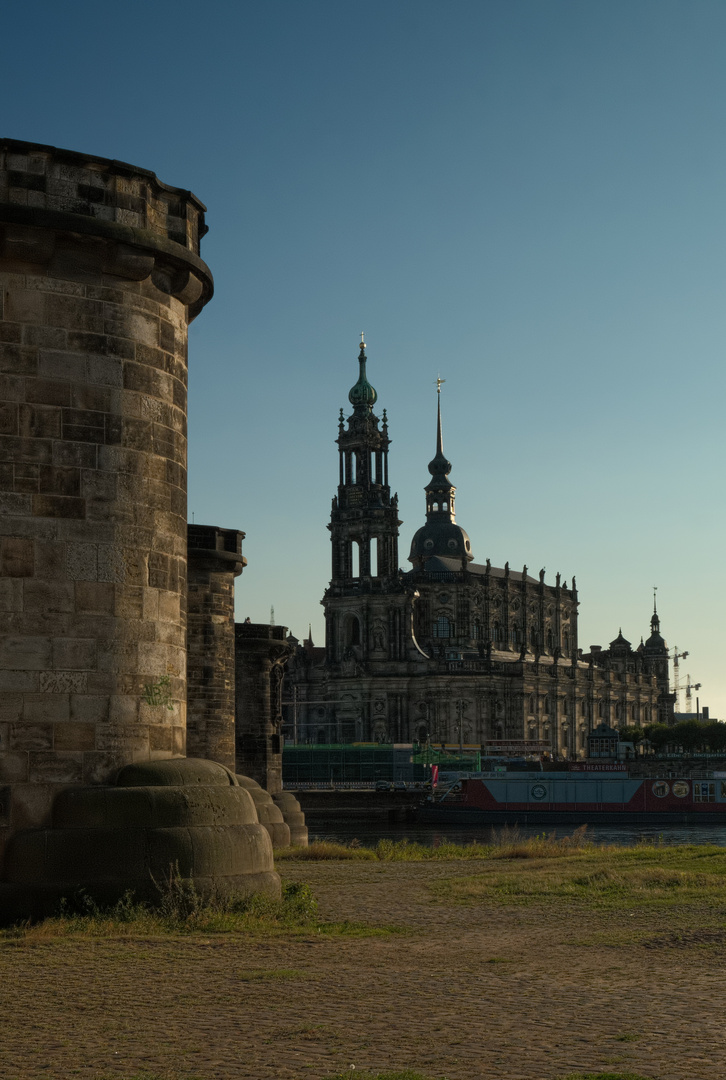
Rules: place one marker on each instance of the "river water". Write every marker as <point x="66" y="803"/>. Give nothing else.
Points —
<point x="323" y="826"/>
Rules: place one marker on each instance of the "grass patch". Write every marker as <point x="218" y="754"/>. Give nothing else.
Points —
<point x="612" y="878"/>
<point x="520" y="870"/>
<point x="183" y="911"/>
<point x="506" y="843"/>
<point x="272" y="975"/>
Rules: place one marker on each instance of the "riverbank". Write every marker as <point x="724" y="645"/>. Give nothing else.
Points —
<point x="508" y="969"/>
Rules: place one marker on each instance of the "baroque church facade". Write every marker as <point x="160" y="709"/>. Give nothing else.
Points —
<point x="451" y="650"/>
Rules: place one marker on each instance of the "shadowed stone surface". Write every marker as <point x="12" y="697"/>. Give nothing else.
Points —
<point x="100" y="275"/>
<point x="269" y="815"/>
<point x="184" y="817"/>
<point x="215" y="559"/>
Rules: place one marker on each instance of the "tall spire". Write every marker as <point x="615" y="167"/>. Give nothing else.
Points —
<point x="654" y="621"/>
<point x="440" y="491"/>
<point x="362" y="396"/>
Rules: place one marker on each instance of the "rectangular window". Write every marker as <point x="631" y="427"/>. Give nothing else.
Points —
<point x="704" y="791"/>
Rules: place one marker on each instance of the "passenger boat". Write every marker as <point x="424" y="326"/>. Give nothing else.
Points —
<point x="577" y="797"/>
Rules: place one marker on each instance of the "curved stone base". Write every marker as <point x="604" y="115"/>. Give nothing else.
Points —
<point x="294" y="817"/>
<point x="269" y="814"/>
<point x="190" y="820"/>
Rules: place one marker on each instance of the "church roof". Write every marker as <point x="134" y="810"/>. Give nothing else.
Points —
<point x="439" y="564"/>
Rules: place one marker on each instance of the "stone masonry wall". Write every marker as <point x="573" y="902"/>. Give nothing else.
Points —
<point x="214" y="560"/>
<point x="99" y="275"/>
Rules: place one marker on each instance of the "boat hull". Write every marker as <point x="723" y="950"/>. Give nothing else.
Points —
<point x="581" y="797"/>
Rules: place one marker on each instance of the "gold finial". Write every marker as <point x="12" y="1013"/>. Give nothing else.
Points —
<point x="439" y="381"/>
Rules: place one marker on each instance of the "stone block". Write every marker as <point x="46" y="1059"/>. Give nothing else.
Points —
<point x="50" y="560"/>
<point x="55" y="480"/>
<point x="123" y="739"/>
<point x="55" y="768"/>
<point x="16" y="557"/>
<point x="13" y="768"/>
<point x="58" y="506"/>
<point x="25" y="652"/>
<point x="11" y="706"/>
<point x="48" y="596"/>
<point x="161" y="738"/>
<point x="63" y="682"/>
<point x="18" y="505"/>
<point x="18" y="359"/>
<point x="122" y="710"/>
<point x="11" y="595"/>
<point x="25" y="306"/>
<point x="111" y="565"/>
<point x="48" y="392"/>
<point x="74" y="736"/>
<point x="19" y="682"/>
<point x="62" y="365"/>
<point x="39" y="421"/>
<point x="89" y="708"/>
<point x="9" y="418"/>
<point x="74" y="653"/>
<point x="12" y="388"/>
<point x="106" y="371"/>
<point x="45" y="709"/>
<point x="94" y="597"/>
<point x="25" y="736"/>
<point x="82" y="562"/>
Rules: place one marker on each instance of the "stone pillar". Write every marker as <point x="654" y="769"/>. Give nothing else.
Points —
<point x="100" y="275"/>
<point x="261" y="653"/>
<point x="215" y="559"/>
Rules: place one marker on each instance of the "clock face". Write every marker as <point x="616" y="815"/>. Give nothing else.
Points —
<point x="444" y="597"/>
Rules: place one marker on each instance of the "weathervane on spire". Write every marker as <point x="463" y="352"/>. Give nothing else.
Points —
<point x="439" y="381"/>
<point x="362" y="339"/>
<point x="655" y="590"/>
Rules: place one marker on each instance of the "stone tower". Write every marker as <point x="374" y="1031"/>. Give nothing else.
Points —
<point x="363" y="530"/>
<point x="101" y="275"/>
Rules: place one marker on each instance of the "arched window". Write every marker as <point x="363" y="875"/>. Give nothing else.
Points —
<point x="601" y="708"/>
<point x="531" y="703"/>
<point x="442" y="627"/>
<point x="496" y="632"/>
<point x="566" y="640"/>
<point x="476" y="631"/>
<point x="515" y="635"/>
<point x="550" y="641"/>
<point x="352" y="630"/>
<point x="534" y="636"/>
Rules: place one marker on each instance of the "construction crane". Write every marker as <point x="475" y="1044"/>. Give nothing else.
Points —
<point x="689" y="688"/>
<point x="677" y="675"/>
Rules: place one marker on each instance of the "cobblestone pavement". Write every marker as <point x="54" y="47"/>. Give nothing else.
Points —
<point x="525" y="993"/>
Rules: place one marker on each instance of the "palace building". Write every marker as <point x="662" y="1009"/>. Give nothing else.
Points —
<point x="451" y="650"/>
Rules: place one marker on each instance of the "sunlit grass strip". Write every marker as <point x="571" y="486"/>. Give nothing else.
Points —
<point x="613" y="878"/>
<point x="503" y="844"/>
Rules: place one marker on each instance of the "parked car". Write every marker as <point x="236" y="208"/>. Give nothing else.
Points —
<point x="399" y="785"/>
<point x="383" y="785"/>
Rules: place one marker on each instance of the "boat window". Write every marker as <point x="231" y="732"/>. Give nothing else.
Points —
<point x="703" y="791"/>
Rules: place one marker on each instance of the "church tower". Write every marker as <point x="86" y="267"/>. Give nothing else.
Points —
<point x="363" y="531"/>
<point x="655" y="662"/>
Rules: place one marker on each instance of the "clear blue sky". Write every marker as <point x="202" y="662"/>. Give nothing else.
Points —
<point x="527" y="197"/>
